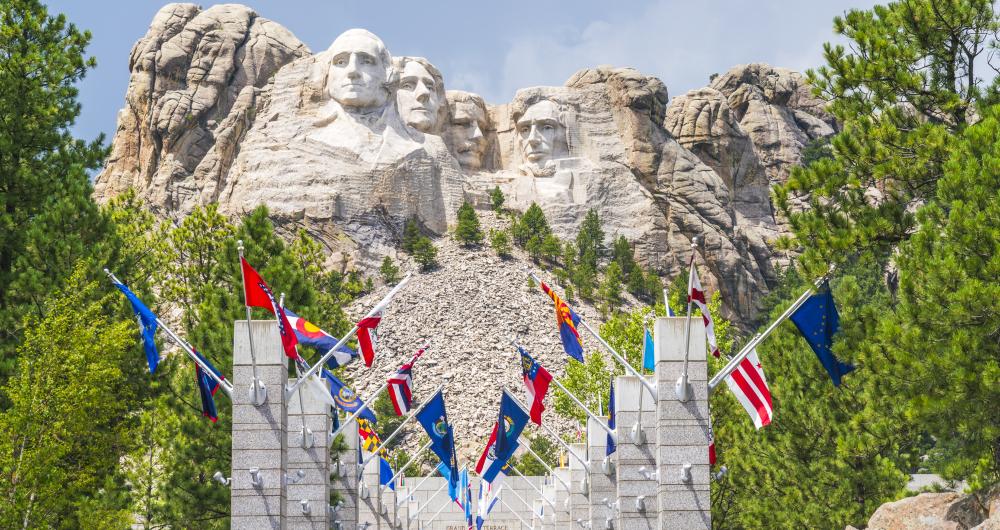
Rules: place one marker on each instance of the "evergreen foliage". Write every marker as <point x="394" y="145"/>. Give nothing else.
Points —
<point x="389" y="271"/>
<point x="590" y="240"/>
<point x="496" y="199"/>
<point x="468" y="231"/>
<point x="425" y="253"/>
<point x="500" y="243"/>
<point x="411" y="234"/>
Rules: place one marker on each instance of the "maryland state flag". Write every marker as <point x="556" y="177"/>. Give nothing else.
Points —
<point x="258" y="294"/>
<point x="567" y="321"/>
<point x="207" y="387"/>
<point x="369" y="438"/>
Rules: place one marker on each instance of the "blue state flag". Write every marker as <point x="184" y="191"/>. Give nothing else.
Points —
<point x="445" y="471"/>
<point x="648" y="359"/>
<point x="818" y="321"/>
<point x="612" y="446"/>
<point x="511" y="423"/>
<point x="207" y="387"/>
<point x="434" y="419"/>
<point x="385" y="474"/>
<point x="346" y="399"/>
<point x="147" y="326"/>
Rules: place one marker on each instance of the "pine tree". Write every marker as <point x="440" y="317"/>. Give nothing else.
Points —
<point x="531" y="225"/>
<point x="611" y="288"/>
<point x="468" y="231"/>
<point x="622" y="254"/>
<point x="500" y="243"/>
<point x="389" y="271"/>
<point x="550" y="248"/>
<point x="590" y="240"/>
<point x="43" y="169"/>
<point x="411" y="234"/>
<point x="425" y="253"/>
<point x="496" y="199"/>
<point x="901" y="91"/>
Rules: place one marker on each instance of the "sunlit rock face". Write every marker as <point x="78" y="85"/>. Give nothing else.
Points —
<point x="349" y="143"/>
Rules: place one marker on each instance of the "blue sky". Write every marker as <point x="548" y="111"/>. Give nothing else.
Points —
<point x="494" y="48"/>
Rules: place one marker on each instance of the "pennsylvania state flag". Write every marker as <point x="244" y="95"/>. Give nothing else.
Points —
<point x="818" y="321"/>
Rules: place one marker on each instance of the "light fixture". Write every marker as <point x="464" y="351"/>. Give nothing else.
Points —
<point x="306" y="509"/>
<point x="686" y="473"/>
<point x="256" y="479"/>
<point x="221" y="479"/>
<point x="640" y="504"/>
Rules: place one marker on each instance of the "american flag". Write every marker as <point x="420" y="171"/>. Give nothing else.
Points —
<point x="401" y="384"/>
<point x="697" y="295"/>
<point x="748" y="384"/>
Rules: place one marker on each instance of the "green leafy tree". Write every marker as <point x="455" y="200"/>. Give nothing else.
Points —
<point x="44" y="186"/>
<point x="411" y="234"/>
<point x="496" y="199"/>
<point x="531" y="225"/>
<point x="389" y="271"/>
<point x="584" y="277"/>
<point x="468" y="232"/>
<point x="545" y="448"/>
<point x="425" y="253"/>
<point x="500" y="243"/>
<point x="590" y="240"/>
<point x="902" y="89"/>
<point x="69" y="424"/>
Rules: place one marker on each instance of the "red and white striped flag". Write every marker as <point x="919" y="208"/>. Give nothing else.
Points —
<point x="697" y="295"/>
<point x="401" y="385"/>
<point x="748" y="384"/>
<point x="711" y="444"/>
<point x="367" y="337"/>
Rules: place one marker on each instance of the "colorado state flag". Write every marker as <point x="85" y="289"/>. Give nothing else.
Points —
<point x="309" y="334"/>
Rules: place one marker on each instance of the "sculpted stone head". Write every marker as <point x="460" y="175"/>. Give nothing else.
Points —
<point x="467" y="131"/>
<point x="360" y="70"/>
<point x="541" y="134"/>
<point x="420" y="94"/>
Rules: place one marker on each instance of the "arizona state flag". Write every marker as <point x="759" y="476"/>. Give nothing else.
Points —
<point x="258" y="294"/>
<point x="567" y="321"/>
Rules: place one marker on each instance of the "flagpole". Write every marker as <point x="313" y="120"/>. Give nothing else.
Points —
<point x="527" y="446"/>
<point x="355" y="414"/>
<point x="735" y="361"/>
<point x="552" y="433"/>
<point x="258" y="393"/>
<point x="364" y="463"/>
<point x="225" y="385"/>
<point x="413" y="458"/>
<point x="378" y="307"/>
<point x="540" y="494"/>
<point x="307" y="435"/>
<point x="681" y="387"/>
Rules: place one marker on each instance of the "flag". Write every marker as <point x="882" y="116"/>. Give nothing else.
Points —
<point x="346" y="399"/>
<point x="648" y="359"/>
<point x="445" y="471"/>
<point x="818" y="321"/>
<point x="367" y="337"/>
<point x="467" y="489"/>
<point x="370" y="440"/>
<point x="315" y="385"/>
<point x="147" y="326"/>
<point x="310" y="335"/>
<point x="503" y="440"/>
<point x="670" y="311"/>
<point x="401" y="385"/>
<point x="434" y="419"/>
<point x="567" y="321"/>
<point x="385" y="474"/>
<point x="258" y="294"/>
<point x="748" y="384"/>
<point x="207" y="387"/>
<point x="612" y="446"/>
<point x="489" y="495"/>
<point x="697" y="295"/>
<point x="536" y="379"/>
<point x="711" y="444"/>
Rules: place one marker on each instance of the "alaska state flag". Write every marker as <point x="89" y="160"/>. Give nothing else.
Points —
<point x="309" y="334"/>
<point x="434" y="419"/>
<point x="648" y="359"/>
<point x="346" y="399"/>
<point x="567" y="320"/>
<point x="147" y="326"/>
<point x="207" y="387"/>
<point x="612" y="446"/>
<point x="818" y="321"/>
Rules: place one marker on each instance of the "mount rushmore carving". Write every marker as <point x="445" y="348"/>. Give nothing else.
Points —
<point x="351" y="142"/>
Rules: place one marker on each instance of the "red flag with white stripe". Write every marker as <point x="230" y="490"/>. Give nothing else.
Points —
<point x="697" y="295"/>
<point x="748" y="384"/>
<point x="401" y="385"/>
<point x="367" y="337"/>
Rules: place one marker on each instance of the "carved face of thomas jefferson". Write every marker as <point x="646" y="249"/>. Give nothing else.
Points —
<point x="541" y="134"/>
<point x="359" y="70"/>
<point x="419" y="95"/>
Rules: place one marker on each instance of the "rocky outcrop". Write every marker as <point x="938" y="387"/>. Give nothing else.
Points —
<point x="195" y="85"/>
<point x="940" y="511"/>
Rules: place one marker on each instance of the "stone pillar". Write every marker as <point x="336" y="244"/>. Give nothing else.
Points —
<point x="579" y="512"/>
<point x="259" y="432"/>
<point x="635" y="463"/>
<point x="368" y="504"/>
<point x="602" y="484"/>
<point x="308" y="467"/>
<point x="683" y="503"/>
<point x="344" y="477"/>
<point x="563" y="500"/>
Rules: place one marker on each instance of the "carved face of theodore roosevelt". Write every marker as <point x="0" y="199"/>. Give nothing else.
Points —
<point x="541" y="134"/>
<point x="359" y="70"/>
